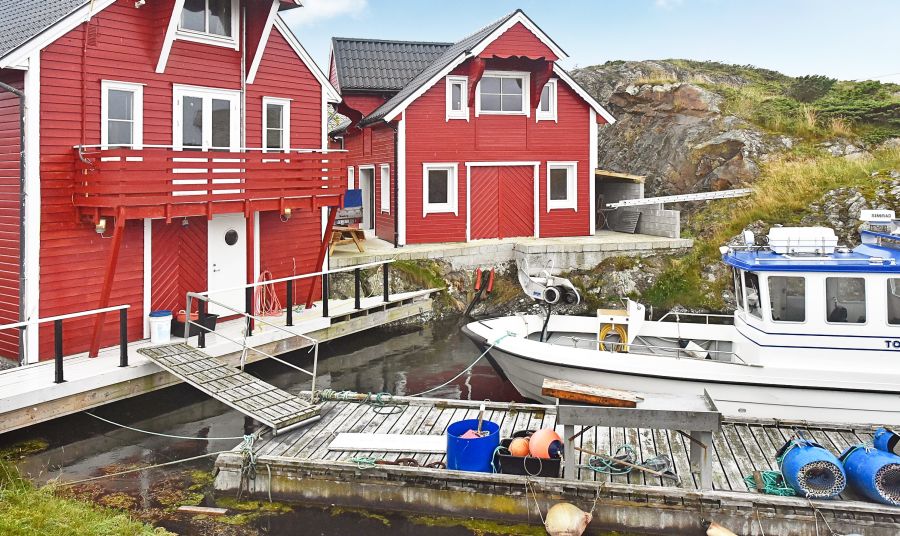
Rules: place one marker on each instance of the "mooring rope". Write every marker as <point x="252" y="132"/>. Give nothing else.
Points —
<point x="148" y="467"/>
<point x="463" y="371"/>
<point x="773" y="484"/>
<point x="160" y="434"/>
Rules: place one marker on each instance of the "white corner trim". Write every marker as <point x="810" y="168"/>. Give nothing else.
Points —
<point x="564" y="76"/>
<point x="463" y="113"/>
<point x="137" y="103"/>
<point x="148" y="274"/>
<point x="256" y="247"/>
<point x="571" y="201"/>
<point x="537" y="202"/>
<point x="518" y="17"/>
<point x="323" y="98"/>
<point x="452" y="204"/>
<point x="17" y="57"/>
<point x="285" y="121"/>
<point x="31" y="264"/>
<point x="263" y="41"/>
<point x="553" y="114"/>
<point x="171" y="30"/>
<point x="401" y="181"/>
<point x="288" y="35"/>
<point x="592" y="166"/>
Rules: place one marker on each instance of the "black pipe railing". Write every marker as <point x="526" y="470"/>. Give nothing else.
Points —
<point x="385" y="284"/>
<point x="58" y="350"/>
<point x="357" y="290"/>
<point x="201" y="320"/>
<point x="325" y="288"/>
<point x="290" y="303"/>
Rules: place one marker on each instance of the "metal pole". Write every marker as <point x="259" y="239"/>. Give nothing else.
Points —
<point x="290" y="303"/>
<point x="201" y="319"/>
<point x="312" y="390"/>
<point x="325" y="285"/>
<point x="123" y="337"/>
<point x="248" y="302"/>
<point x="385" y="284"/>
<point x="58" y="350"/>
<point x="357" y="284"/>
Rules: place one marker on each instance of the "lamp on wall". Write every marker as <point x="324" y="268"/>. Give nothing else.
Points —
<point x="286" y="214"/>
<point x="101" y="226"/>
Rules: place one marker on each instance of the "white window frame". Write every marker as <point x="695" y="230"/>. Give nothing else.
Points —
<point x="285" y="123"/>
<point x="384" y="185"/>
<point x="550" y="115"/>
<point x="526" y="90"/>
<point x="571" y="201"/>
<point x="180" y="91"/>
<point x="351" y="179"/>
<point x="137" y="113"/>
<point x="214" y="39"/>
<point x="464" y="102"/>
<point x="452" y="204"/>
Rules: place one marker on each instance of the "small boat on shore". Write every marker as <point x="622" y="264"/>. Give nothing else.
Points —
<point x="815" y="336"/>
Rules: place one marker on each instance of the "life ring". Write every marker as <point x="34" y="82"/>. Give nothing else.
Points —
<point x="621" y="346"/>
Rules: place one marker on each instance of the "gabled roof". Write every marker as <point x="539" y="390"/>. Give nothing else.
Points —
<point x="379" y="65"/>
<point x="21" y="20"/>
<point x="453" y="56"/>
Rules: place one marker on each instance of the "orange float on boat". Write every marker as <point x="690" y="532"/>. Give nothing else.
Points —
<point x="545" y="444"/>
<point x="519" y="447"/>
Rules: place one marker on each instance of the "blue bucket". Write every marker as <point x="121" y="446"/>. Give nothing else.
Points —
<point x="887" y="440"/>
<point x="873" y="473"/>
<point x="472" y="454"/>
<point x="811" y="470"/>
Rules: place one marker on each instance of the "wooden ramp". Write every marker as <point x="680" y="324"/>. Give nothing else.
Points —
<point x="277" y="409"/>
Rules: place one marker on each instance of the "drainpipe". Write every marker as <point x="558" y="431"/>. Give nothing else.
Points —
<point x="396" y="192"/>
<point x="21" y="95"/>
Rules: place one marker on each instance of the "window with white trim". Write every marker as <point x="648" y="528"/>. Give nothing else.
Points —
<point x="457" y="97"/>
<point x="213" y="22"/>
<point x="503" y="93"/>
<point x="385" y="187"/>
<point x="122" y="114"/>
<point x="562" y="179"/>
<point x="276" y="124"/>
<point x="439" y="189"/>
<point x="546" y="109"/>
<point x="351" y="183"/>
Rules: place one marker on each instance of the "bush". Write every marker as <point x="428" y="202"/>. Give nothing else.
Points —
<point x="811" y="87"/>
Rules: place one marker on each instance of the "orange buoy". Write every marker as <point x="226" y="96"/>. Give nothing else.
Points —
<point x="546" y="444"/>
<point x="519" y="447"/>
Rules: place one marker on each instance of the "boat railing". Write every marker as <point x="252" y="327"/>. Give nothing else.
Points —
<point x="705" y="317"/>
<point x="57" y="321"/>
<point x="680" y="353"/>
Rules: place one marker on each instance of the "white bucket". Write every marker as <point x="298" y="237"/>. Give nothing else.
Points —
<point x="160" y="328"/>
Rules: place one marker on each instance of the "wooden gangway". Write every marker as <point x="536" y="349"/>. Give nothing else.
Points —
<point x="279" y="410"/>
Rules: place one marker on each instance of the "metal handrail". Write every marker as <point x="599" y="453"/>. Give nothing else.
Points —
<point x="706" y="316"/>
<point x="138" y="147"/>
<point x="201" y="316"/>
<point x="678" y="351"/>
<point x="301" y="276"/>
<point x="63" y="317"/>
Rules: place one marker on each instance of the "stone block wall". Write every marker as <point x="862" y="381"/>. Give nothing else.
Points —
<point x="657" y="221"/>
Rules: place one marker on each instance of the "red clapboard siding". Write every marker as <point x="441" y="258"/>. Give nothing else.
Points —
<point x="128" y="42"/>
<point x="289" y="248"/>
<point x="518" y="41"/>
<point x="380" y="141"/>
<point x="10" y="173"/>
<point x="179" y="262"/>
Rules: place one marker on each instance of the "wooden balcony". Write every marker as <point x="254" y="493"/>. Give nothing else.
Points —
<point x="159" y="182"/>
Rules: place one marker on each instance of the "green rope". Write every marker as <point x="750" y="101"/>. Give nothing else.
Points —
<point x="364" y="462"/>
<point x="773" y="484"/>
<point x="602" y="465"/>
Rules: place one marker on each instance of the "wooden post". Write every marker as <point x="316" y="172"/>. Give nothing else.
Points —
<point x="108" y="279"/>
<point x="326" y="240"/>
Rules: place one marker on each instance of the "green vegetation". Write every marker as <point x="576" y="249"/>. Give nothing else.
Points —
<point x="782" y="195"/>
<point x="25" y="509"/>
<point x="811" y="108"/>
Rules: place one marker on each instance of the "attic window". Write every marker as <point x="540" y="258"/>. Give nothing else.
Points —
<point x="209" y="21"/>
<point x="457" y="91"/>
<point x="503" y="93"/>
<point x="546" y="109"/>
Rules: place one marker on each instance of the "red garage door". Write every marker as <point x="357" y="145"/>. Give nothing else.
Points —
<point x="502" y="201"/>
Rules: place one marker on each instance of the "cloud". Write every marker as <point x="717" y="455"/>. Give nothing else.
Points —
<point x="314" y="11"/>
<point x="668" y="4"/>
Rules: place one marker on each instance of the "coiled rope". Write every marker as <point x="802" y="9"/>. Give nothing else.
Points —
<point x="266" y="302"/>
<point x="626" y="453"/>
<point x="772" y="484"/>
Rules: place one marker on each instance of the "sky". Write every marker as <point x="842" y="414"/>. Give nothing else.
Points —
<point x="848" y="39"/>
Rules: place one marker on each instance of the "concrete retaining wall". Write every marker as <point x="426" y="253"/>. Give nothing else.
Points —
<point x="658" y="221"/>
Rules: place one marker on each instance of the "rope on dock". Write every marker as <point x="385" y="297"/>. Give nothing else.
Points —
<point x="626" y="453"/>
<point x="772" y="482"/>
<point x="160" y="434"/>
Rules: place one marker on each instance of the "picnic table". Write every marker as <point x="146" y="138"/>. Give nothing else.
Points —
<point x="347" y="235"/>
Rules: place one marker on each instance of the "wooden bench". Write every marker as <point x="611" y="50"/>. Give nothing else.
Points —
<point x="347" y="235"/>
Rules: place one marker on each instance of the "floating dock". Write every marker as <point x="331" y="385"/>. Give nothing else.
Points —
<point x="298" y="466"/>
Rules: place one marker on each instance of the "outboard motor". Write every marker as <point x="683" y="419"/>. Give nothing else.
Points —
<point x="546" y="288"/>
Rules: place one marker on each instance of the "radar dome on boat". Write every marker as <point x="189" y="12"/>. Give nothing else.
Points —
<point x="808" y="240"/>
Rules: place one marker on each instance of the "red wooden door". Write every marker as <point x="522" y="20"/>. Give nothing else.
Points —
<point x="502" y="201"/>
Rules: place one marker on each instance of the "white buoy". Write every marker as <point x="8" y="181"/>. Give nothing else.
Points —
<point x="566" y="519"/>
<point x="715" y="529"/>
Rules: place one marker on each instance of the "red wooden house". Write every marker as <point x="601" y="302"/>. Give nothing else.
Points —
<point x="169" y="146"/>
<point x="487" y="137"/>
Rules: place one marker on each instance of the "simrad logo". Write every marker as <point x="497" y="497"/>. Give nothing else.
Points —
<point x="876" y="215"/>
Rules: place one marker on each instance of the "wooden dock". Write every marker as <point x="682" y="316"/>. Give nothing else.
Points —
<point x="265" y="403"/>
<point x="304" y="469"/>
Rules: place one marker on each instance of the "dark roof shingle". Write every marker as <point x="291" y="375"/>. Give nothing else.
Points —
<point x="21" y="20"/>
<point x="434" y="68"/>
<point x="375" y="64"/>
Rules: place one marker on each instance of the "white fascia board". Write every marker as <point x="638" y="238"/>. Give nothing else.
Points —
<point x="592" y="166"/>
<point x="19" y="56"/>
<point x="263" y="41"/>
<point x="285" y="31"/>
<point x="31" y="264"/>
<point x="584" y="94"/>
<point x="171" y="30"/>
<point x="401" y="181"/>
<point x="477" y="49"/>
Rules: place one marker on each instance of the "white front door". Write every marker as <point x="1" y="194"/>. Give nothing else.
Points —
<point x="227" y="259"/>
<point x="367" y="185"/>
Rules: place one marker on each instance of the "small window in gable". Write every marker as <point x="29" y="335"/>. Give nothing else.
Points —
<point x="562" y="178"/>
<point x="503" y="93"/>
<point x="209" y="21"/>
<point x="439" y="189"/>
<point x="351" y="182"/>
<point x="276" y="124"/>
<point x="546" y="110"/>
<point x="457" y="101"/>
<point x="385" y="188"/>
<point x="122" y="114"/>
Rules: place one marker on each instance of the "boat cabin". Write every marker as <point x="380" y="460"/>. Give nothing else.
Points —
<point x="802" y="290"/>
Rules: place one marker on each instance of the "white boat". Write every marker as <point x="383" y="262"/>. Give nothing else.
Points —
<point x="815" y="337"/>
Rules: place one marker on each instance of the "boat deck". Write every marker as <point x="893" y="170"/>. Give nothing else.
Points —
<point x="300" y="461"/>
